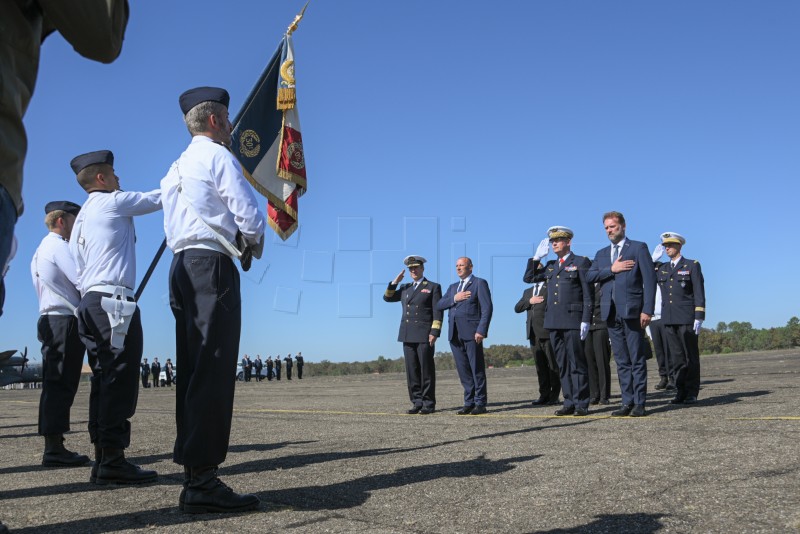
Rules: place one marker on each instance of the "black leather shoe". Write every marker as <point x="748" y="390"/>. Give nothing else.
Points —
<point x="605" y="402"/>
<point x="624" y="411"/>
<point x="594" y="402"/>
<point x="466" y="410"/>
<point x="478" y="410"/>
<point x="565" y="411"/>
<point x="638" y="411"/>
<point x="56" y="455"/>
<point x="115" y="469"/>
<point x="206" y="495"/>
<point x="427" y="411"/>
<point x="678" y="400"/>
<point x="662" y="384"/>
<point x="541" y="401"/>
<point x="690" y="400"/>
<point x="581" y="411"/>
<point x="414" y="410"/>
<point x="671" y="387"/>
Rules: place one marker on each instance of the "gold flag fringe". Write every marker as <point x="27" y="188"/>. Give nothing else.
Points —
<point x="287" y="98"/>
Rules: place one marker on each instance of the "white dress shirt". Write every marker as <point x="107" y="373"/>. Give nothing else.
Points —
<point x="103" y="241"/>
<point x="619" y="250"/>
<point x="54" y="276"/>
<point x="214" y="186"/>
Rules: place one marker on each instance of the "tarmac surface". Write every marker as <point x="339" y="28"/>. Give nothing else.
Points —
<point x="330" y="454"/>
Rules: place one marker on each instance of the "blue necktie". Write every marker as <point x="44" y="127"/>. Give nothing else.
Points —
<point x="615" y="256"/>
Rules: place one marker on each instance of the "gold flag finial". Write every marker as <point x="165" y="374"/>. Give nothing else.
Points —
<point x="297" y="19"/>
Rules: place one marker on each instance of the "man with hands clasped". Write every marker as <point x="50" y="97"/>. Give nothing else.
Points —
<point x="568" y="313"/>
<point x="682" y="312"/>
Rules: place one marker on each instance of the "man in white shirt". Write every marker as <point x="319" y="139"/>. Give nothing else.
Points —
<point x="54" y="279"/>
<point x="207" y="201"/>
<point x="103" y="247"/>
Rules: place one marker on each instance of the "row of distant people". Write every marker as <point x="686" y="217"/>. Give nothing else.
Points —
<point x="273" y="367"/>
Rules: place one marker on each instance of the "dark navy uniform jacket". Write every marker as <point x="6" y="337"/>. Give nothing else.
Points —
<point x="569" y="300"/>
<point x="420" y="316"/>
<point x="683" y="296"/>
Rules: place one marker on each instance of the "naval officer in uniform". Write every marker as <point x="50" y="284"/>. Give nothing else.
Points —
<point x="103" y="247"/>
<point x="683" y="310"/>
<point x="420" y="326"/>
<point x="568" y="314"/>
<point x="55" y="280"/>
<point x="207" y="201"/>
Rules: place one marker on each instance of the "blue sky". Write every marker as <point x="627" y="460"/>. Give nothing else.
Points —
<point x="449" y="128"/>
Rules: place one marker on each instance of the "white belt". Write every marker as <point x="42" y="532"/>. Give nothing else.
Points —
<point x="56" y="312"/>
<point x="124" y="291"/>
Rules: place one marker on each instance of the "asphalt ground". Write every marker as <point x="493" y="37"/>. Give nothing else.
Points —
<point x="329" y="454"/>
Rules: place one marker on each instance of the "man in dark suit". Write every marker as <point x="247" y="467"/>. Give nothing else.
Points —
<point x="289" y="364"/>
<point x="420" y="326"/>
<point x="155" y="370"/>
<point x="568" y="313"/>
<point x="299" y="361"/>
<point x="470" y="305"/>
<point x="625" y="273"/>
<point x="145" y="367"/>
<point x="278" y="367"/>
<point x="269" y="368"/>
<point x="534" y="301"/>
<point x="683" y="312"/>
<point x="258" y="365"/>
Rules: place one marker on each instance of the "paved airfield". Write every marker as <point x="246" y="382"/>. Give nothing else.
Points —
<point x="339" y="455"/>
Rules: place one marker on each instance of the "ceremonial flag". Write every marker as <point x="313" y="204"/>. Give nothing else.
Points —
<point x="266" y="139"/>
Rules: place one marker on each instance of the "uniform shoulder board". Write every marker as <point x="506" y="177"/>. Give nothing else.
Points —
<point x="696" y="261"/>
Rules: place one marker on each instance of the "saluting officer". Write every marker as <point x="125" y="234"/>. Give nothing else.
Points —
<point x="207" y="201"/>
<point x="568" y="314"/>
<point x="682" y="312"/>
<point x="55" y="279"/>
<point x="289" y="363"/>
<point x="103" y="246"/>
<point x="299" y="360"/>
<point x="420" y="326"/>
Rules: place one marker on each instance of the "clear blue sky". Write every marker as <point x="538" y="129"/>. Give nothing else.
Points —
<point x="449" y="128"/>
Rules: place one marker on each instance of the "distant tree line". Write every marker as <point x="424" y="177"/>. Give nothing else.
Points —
<point x="725" y="338"/>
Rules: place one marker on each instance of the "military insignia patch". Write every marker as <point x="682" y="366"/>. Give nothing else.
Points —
<point x="571" y="268"/>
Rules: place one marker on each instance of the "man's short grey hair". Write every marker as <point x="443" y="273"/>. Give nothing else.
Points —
<point x="197" y="118"/>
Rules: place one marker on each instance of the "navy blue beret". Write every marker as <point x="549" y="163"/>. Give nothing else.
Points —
<point x="195" y="96"/>
<point x="63" y="205"/>
<point x="79" y="163"/>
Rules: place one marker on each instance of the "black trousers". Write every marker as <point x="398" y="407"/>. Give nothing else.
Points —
<point x="114" y="388"/>
<point x="568" y="348"/>
<point x="659" y="334"/>
<point x="684" y="355"/>
<point x="420" y="374"/>
<point x="288" y="372"/>
<point x="205" y="299"/>
<point x="546" y="369"/>
<point x="300" y="372"/>
<point x="62" y="359"/>
<point x="597" y="348"/>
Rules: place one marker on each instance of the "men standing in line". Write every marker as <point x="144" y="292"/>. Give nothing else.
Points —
<point x="420" y="327"/>
<point x="300" y="363"/>
<point x="155" y="370"/>
<point x="257" y="366"/>
<point x="683" y="312"/>
<point x="626" y="276"/>
<point x="534" y="301"/>
<point x="598" y="353"/>
<point x="55" y="279"/>
<point x="145" y="367"/>
<point x="269" y="368"/>
<point x="568" y="313"/>
<point x="103" y="246"/>
<point x="289" y="364"/>
<point x="278" y="367"/>
<point x="658" y="334"/>
<point x="205" y="188"/>
<point x="470" y="305"/>
<point x="169" y="371"/>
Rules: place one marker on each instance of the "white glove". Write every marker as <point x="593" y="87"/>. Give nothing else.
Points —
<point x="584" y="330"/>
<point x="697" y="324"/>
<point x="543" y="249"/>
<point x="658" y="252"/>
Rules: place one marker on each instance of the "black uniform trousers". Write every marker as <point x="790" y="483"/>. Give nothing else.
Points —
<point x="300" y="371"/>
<point x="114" y="388"/>
<point x="420" y="374"/>
<point x="661" y="345"/>
<point x="684" y="355"/>
<point x="597" y="347"/>
<point x="62" y="359"/>
<point x="546" y="369"/>
<point x="205" y="299"/>
<point x="568" y="348"/>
